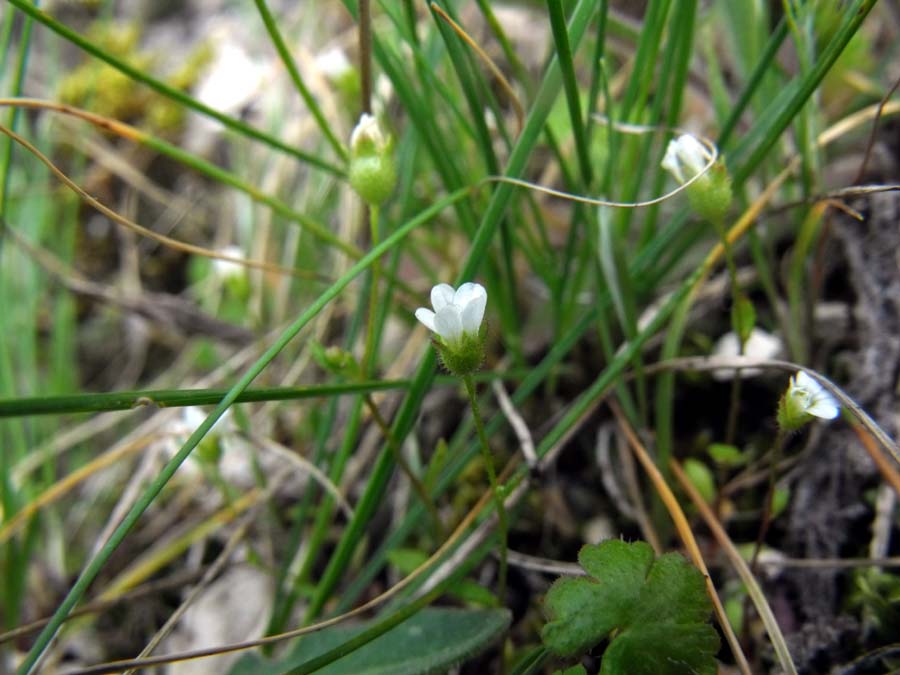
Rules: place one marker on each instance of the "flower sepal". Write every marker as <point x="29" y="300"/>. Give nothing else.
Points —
<point x="463" y="357"/>
<point x="710" y="197"/>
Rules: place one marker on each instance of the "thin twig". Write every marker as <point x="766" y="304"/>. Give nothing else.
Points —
<point x="365" y="55"/>
<point x="874" y="133"/>
<point x="526" y="444"/>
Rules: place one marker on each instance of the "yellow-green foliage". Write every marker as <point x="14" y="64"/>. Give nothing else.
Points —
<point x="99" y="87"/>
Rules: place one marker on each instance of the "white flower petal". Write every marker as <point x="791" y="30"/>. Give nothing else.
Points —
<point x="473" y="312"/>
<point x="670" y="161"/>
<point x="426" y="316"/>
<point x="448" y="323"/>
<point x="804" y="381"/>
<point x="441" y="296"/>
<point x="226" y="269"/>
<point x="825" y="407"/>
<point x="685" y="157"/>
<point x="813" y="397"/>
<point x="467" y="292"/>
<point x="367" y="129"/>
<point x="692" y="153"/>
<point x="760" y="345"/>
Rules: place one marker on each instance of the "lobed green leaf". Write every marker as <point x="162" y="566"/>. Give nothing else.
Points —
<point x="654" y="610"/>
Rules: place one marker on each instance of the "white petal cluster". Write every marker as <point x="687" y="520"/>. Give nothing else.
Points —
<point x="811" y="397"/>
<point x="456" y="312"/>
<point x="685" y="157"/>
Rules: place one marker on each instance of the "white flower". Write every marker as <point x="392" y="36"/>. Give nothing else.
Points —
<point x="456" y="313"/>
<point x="760" y="345"/>
<point x="333" y="63"/>
<point x="810" y="397"/>
<point x="226" y="269"/>
<point x="685" y="157"/>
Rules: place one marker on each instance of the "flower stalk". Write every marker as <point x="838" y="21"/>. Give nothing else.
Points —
<point x="459" y="339"/>
<point x="496" y="490"/>
<point x="708" y="187"/>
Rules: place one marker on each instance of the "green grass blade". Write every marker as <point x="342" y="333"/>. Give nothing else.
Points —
<point x="762" y="141"/>
<point x="754" y="83"/>
<point x="297" y="79"/>
<point x="175" y="398"/>
<point x="570" y="86"/>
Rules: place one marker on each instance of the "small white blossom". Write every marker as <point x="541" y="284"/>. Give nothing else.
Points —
<point x="333" y="63"/>
<point x="456" y="313"/>
<point x="811" y="397"/>
<point x="226" y="269"/>
<point x="685" y="157"/>
<point x="760" y="345"/>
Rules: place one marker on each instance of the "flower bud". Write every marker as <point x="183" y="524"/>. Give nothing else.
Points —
<point x="372" y="171"/>
<point x="336" y="360"/>
<point x="710" y="194"/>
<point x="804" y="399"/>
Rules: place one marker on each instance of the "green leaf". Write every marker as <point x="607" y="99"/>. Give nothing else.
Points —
<point x="577" y="669"/>
<point x="726" y="455"/>
<point x="434" y="640"/>
<point x="657" y="610"/>
<point x="701" y="478"/>
<point x="436" y="465"/>
<point x="780" y="499"/>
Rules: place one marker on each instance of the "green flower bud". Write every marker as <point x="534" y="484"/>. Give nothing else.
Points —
<point x="336" y="360"/>
<point x="372" y="171"/>
<point x="710" y="196"/>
